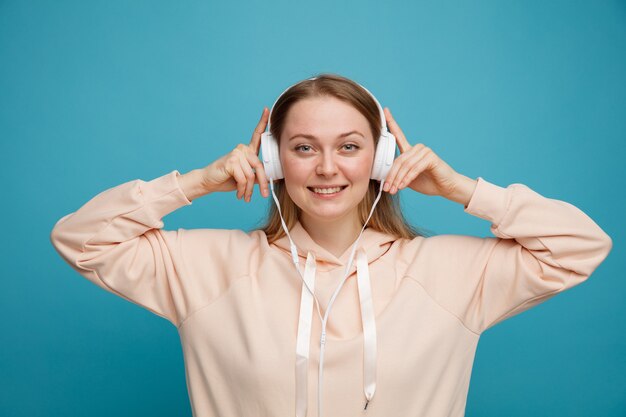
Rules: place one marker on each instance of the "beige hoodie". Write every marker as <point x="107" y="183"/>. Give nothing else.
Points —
<point x="235" y="299"/>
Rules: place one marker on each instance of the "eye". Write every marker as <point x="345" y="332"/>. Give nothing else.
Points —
<point x="354" y="147"/>
<point x="301" y="146"/>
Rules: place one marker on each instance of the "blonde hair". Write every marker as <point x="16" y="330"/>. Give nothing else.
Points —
<point x="387" y="216"/>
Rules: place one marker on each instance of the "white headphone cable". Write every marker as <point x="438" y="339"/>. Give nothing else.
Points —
<point x="309" y="275"/>
<point x="323" y="338"/>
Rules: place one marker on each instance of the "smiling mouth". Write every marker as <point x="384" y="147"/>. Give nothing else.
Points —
<point x="327" y="191"/>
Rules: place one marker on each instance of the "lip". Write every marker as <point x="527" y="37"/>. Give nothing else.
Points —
<point x="328" y="196"/>
<point x="327" y="186"/>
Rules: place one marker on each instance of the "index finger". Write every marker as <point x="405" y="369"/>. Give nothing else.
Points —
<point x="403" y="144"/>
<point x="255" y="142"/>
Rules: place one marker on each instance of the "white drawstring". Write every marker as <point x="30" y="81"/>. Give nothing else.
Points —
<point x="304" y="322"/>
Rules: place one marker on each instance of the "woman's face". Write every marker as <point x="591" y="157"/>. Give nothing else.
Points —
<point x="315" y="153"/>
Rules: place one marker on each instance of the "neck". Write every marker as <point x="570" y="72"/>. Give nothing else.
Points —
<point x="336" y="236"/>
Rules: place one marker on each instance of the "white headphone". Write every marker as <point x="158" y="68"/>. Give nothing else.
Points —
<point x="383" y="159"/>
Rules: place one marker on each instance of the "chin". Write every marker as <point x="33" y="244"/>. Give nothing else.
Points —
<point x="328" y="217"/>
<point x="329" y="214"/>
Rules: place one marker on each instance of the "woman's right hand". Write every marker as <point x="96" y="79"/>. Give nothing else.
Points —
<point x="234" y="171"/>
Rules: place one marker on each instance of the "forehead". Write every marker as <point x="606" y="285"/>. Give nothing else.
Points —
<point x="324" y="116"/>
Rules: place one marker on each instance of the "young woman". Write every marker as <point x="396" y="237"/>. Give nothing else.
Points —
<point x="407" y="309"/>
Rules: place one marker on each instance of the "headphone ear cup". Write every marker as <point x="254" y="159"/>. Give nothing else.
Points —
<point x="270" y="157"/>
<point x="384" y="157"/>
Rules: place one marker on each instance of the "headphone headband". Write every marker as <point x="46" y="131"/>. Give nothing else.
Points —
<point x="380" y="109"/>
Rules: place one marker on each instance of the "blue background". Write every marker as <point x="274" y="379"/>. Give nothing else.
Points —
<point x="93" y="94"/>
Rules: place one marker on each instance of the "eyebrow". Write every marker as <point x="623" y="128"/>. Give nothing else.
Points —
<point x="343" y="135"/>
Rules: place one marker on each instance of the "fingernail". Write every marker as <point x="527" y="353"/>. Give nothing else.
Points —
<point x="393" y="189"/>
<point x="386" y="186"/>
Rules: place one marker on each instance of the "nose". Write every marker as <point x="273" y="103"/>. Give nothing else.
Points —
<point x="327" y="165"/>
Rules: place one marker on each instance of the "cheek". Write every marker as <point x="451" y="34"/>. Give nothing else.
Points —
<point x="297" y="170"/>
<point x="297" y="173"/>
<point x="365" y="168"/>
<point x="359" y="169"/>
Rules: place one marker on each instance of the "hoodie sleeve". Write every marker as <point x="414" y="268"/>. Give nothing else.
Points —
<point x="542" y="247"/>
<point x="116" y="241"/>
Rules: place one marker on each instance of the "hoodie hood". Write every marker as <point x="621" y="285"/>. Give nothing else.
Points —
<point x="374" y="243"/>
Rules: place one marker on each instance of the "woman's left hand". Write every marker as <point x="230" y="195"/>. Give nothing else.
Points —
<point x="419" y="168"/>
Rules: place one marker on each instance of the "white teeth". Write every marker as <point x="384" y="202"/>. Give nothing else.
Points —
<point x="327" y="190"/>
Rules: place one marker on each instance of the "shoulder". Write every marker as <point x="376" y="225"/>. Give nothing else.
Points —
<point x="222" y="240"/>
<point x="443" y="251"/>
<point x="221" y="252"/>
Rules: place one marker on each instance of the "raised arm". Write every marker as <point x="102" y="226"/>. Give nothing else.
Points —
<point x="543" y="246"/>
<point x="116" y="239"/>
